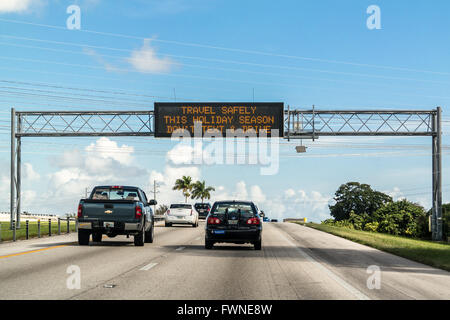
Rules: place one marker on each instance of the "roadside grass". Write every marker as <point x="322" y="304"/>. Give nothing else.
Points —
<point x="7" y="234"/>
<point x="435" y="254"/>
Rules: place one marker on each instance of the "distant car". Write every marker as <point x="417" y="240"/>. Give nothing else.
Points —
<point x="274" y="220"/>
<point x="181" y="213"/>
<point x="233" y="222"/>
<point x="202" y="209"/>
<point x="266" y="219"/>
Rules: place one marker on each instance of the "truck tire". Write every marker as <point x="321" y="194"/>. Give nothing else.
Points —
<point x="139" y="239"/>
<point x="97" y="237"/>
<point x="257" y="245"/>
<point x="83" y="237"/>
<point x="208" y="244"/>
<point x="149" y="234"/>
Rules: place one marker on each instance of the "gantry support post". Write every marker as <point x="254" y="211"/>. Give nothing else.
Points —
<point x="12" y="206"/>
<point x="436" y="218"/>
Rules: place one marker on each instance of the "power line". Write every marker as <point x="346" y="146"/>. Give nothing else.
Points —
<point x="200" y="77"/>
<point x="222" y="61"/>
<point x="245" y="51"/>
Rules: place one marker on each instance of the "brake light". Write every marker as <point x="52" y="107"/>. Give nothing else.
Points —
<point x="214" y="220"/>
<point x="168" y="211"/>
<point x="138" y="212"/>
<point x="116" y="187"/>
<point x="191" y="212"/>
<point x="208" y="209"/>
<point x="80" y="210"/>
<point x="253" y="221"/>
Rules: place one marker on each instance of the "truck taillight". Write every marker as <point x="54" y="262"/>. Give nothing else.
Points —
<point x="138" y="212"/>
<point x="214" y="220"/>
<point x="254" y="221"/>
<point x="80" y="210"/>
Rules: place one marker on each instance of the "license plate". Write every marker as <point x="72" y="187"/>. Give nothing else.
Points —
<point x="108" y="224"/>
<point x="232" y="222"/>
<point x="219" y="231"/>
<point x="86" y="225"/>
<point x="180" y="217"/>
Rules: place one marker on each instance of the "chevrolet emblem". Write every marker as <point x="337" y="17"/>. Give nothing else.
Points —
<point x="108" y="211"/>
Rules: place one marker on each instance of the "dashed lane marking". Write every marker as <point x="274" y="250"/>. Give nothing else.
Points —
<point x="148" y="267"/>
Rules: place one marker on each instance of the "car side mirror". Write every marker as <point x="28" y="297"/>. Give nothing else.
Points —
<point x="152" y="203"/>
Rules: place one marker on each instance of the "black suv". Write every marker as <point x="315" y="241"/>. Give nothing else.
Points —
<point x="202" y="209"/>
<point x="233" y="222"/>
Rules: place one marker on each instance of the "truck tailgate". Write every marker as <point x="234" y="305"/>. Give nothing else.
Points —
<point x="115" y="210"/>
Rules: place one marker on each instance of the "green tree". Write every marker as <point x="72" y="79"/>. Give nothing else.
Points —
<point x="185" y="185"/>
<point x="201" y="191"/>
<point x="359" y="198"/>
<point x="446" y="218"/>
<point x="401" y="218"/>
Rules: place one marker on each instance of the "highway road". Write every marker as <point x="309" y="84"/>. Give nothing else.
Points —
<point x="296" y="262"/>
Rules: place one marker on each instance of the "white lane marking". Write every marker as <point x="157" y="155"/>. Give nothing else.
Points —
<point x="331" y="274"/>
<point x="198" y="238"/>
<point x="180" y="248"/>
<point x="148" y="267"/>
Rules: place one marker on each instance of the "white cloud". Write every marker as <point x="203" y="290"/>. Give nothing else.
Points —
<point x="289" y="193"/>
<point x="108" y="67"/>
<point x="19" y="6"/>
<point x="105" y="148"/>
<point x="102" y="162"/>
<point x="240" y="193"/>
<point x="29" y="173"/>
<point x="396" y="194"/>
<point x="257" y="195"/>
<point x="146" y="60"/>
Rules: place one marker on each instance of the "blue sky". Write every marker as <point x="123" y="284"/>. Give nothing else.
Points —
<point x="302" y="53"/>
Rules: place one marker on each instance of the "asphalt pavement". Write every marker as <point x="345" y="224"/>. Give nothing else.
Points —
<point x="296" y="262"/>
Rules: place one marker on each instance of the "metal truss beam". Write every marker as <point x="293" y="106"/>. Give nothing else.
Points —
<point x="315" y="123"/>
<point x="85" y="123"/>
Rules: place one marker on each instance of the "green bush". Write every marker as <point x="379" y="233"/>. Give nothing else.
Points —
<point x="402" y="218"/>
<point x="371" y="226"/>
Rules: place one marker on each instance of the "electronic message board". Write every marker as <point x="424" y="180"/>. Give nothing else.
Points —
<point x="219" y="117"/>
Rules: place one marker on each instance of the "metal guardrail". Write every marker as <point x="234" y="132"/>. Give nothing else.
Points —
<point x="37" y="229"/>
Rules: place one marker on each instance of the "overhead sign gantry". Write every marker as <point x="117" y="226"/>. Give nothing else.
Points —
<point x="292" y="123"/>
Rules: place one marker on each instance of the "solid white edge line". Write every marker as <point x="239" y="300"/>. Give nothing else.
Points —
<point x="148" y="267"/>
<point x="332" y="275"/>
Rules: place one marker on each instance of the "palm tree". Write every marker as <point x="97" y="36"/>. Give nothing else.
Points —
<point x="202" y="191"/>
<point x="185" y="185"/>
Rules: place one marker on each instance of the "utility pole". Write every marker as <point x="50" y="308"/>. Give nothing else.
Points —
<point x="155" y="191"/>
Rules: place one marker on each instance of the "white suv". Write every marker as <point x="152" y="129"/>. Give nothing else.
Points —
<point x="181" y="213"/>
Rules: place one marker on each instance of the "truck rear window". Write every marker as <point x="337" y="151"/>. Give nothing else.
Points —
<point x="114" y="194"/>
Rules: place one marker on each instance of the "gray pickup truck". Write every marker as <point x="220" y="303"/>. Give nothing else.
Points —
<point x="116" y="210"/>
